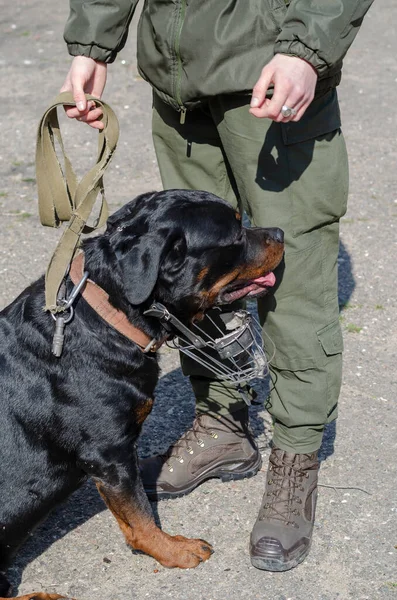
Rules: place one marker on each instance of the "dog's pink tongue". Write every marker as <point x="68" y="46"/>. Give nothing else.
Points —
<point x="268" y="280"/>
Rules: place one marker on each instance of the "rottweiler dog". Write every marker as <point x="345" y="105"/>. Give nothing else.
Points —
<point x="78" y="416"/>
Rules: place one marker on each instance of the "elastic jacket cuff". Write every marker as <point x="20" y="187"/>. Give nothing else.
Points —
<point x="296" y="48"/>
<point x="92" y="51"/>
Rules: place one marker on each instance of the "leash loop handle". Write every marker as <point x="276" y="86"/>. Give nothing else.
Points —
<point x="61" y="197"/>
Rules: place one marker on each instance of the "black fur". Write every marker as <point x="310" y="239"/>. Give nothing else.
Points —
<point x="69" y="418"/>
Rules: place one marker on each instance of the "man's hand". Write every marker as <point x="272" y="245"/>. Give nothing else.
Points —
<point x="294" y="82"/>
<point x="86" y="75"/>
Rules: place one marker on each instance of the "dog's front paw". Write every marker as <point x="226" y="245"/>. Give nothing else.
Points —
<point x="185" y="553"/>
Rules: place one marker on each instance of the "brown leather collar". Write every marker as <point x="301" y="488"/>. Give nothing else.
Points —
<point x="98" y="299"/>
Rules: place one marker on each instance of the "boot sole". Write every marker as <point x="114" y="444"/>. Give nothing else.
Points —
<point x="221" y="474"/>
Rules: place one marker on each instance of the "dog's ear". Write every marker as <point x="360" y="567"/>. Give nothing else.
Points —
<point x="141" y="264"/>
<point x="140" y="267"/>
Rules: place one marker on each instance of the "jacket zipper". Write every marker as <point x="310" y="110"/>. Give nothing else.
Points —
<point x="178" y="78"/>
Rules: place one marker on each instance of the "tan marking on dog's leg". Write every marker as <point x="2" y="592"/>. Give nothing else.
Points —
<point x="142" y="533"/>
<point x="143" y="410"/>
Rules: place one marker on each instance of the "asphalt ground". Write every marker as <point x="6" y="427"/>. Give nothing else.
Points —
<point x="80" y="551"/>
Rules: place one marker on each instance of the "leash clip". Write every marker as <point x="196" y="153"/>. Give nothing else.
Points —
<point x="61" y="318"/>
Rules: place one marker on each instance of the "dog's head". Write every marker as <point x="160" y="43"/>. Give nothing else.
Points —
<point x="185" y="249"/>
<point x="189" y="251"/>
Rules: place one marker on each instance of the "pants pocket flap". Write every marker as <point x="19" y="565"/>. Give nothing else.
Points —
<point x="331" y="339"/>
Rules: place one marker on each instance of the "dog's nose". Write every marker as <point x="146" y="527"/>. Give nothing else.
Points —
<point x="276" y="234"/>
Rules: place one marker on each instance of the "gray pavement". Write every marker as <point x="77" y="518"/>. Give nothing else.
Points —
<point x="80" y="551"/>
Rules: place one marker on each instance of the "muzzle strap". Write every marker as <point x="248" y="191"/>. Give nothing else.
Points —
<point x="61" y="197"/>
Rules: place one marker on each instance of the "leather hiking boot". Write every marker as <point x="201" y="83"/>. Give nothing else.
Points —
<point x="282" y="534"/>
<point x="216" y="446"/>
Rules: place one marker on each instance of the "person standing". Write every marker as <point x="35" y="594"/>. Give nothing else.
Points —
<point x="245" y="106"/>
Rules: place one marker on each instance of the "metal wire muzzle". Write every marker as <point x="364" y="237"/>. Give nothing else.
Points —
<point x="229" y="345"/>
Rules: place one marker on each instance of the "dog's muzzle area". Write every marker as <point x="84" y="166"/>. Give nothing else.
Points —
<point x="230" y="344"/>
<point x="227" y="344"/>
<point x="269" y="246"/>
<point x="251" y="289"/>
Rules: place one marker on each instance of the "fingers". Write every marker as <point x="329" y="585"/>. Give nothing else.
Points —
<point x="271" y="108"/>
<point x="85" y="76"/>
<point x="79" y="96"/>
<point x="74" y="113"/>
<point x="294" y="82"/>
<point x="283" y="90"/>
<point x="260" y="89"/>
<point x="298" y="98"/>
<point x="92" y="117"/>
<point x="300" y="111"/>
<point x="286" y="93"/>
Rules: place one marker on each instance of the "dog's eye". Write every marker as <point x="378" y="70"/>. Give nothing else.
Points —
<point x="176" y="254"/>
<point x="179" y="248"/>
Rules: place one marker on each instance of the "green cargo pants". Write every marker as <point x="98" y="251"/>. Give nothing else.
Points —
<point x="293" y="176"/>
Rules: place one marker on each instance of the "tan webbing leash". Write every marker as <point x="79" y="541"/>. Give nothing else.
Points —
<point x="61" y="197"/>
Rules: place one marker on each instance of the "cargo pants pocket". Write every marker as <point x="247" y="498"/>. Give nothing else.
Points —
<point x="331" y="339"/>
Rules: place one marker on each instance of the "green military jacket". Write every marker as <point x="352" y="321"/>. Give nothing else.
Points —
<point x="189" y="50"/>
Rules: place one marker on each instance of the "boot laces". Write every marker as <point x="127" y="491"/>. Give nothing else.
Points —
<point x="285" y="479"/>
<point x="194" y="436"/>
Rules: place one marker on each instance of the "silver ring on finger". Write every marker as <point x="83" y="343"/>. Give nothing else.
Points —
<point x="287" y="111"/>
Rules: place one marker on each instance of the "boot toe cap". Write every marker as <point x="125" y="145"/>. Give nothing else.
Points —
<point x="270" y="554"/>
